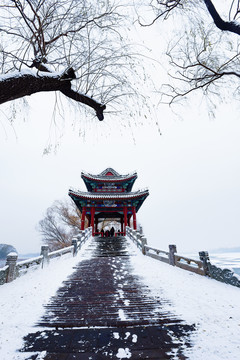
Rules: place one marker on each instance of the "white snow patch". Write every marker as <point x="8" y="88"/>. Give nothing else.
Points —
<point x="121" y="314"/>
<point x="134" y="338"/>
<point x="116" y="335"/>
<point x="123" y="353"/>
<point x="41" y="355"/>
<point x="127" y="334"/>
<point x="121" y="294"/>
<point x="13" y="253"/>
<point x="32" y="72"/>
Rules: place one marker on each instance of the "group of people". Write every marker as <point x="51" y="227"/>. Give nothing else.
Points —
<point x="109" y="233"/>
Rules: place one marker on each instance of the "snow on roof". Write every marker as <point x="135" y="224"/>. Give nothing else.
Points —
<point x="106" y="175"/>
<point x="109" y="171"/>
<point x="90" y="195"/>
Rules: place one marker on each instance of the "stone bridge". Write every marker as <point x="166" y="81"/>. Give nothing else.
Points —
<point x="104" y="311"/>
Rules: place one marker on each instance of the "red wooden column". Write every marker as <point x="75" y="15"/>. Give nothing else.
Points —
<point x="92" y="219"/>
<point x="83" y="217"/>
<point x="125" y="219"/>
<point x="134" y="218"/>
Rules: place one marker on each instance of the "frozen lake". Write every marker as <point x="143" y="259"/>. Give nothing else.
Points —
<point x="224" y="260"/>
<point x="2" y="263"/>
<point x="22" y="257"/>
<point x="229" y="260"/>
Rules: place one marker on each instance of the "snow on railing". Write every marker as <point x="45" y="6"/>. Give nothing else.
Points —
<point x="154" y="253"/>
<point x="189" y="264"/>
<point x="3" y="274"/>
<point x="201" y="267"/>
<point x="170" y="257"/>
<point x="14" y="269"/>
<point x="136" y="237"/>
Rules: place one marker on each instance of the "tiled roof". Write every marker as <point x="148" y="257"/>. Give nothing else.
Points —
<point x="109" y="170"/>
<point x="91" y="195"/>
<point x="103" y="177"/>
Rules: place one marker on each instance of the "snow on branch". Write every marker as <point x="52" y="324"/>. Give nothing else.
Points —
<point x="17" y="84"/>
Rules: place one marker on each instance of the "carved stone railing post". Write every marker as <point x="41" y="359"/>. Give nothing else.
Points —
<point x="143" y="237"/>
<point x="172" y="251"/>
<point x="11" y="263"/>
<point x="139" y="240"/>
<point x="204" y="257"/>
<point x="44" y="253"/>
<point x="81" y="238"/>
<point x="75" y="247"/>
<point x="144" y="242"/>
<point x="129" y="232"/>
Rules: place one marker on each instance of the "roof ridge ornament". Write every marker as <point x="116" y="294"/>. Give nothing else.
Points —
<point x="105" y="176"/>
<point x="109" y="172"/>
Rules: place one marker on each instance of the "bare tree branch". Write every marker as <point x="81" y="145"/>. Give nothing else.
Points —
<point x="53" y="35"/>
<point x="231" y="26"/>
<point x="196" y="76"/>
<point x="202" y="57"/>
<point x="18" y="85"/>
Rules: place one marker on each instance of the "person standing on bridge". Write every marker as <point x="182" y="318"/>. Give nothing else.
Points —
<point x="112" y="231"/>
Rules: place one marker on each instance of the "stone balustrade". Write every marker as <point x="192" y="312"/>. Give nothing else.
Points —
<point x="14" y="269"/>
<point x="201" y="267"/>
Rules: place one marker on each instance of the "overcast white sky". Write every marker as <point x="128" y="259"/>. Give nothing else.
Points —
<point x="192" y="171"/>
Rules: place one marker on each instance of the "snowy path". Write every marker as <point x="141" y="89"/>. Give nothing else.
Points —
<point x="212" y="306"/>
<point x="103" y="311"/>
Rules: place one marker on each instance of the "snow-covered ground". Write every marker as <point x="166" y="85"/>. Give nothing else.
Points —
<point x="21" y="302"/>
<point x="212" y="306"/>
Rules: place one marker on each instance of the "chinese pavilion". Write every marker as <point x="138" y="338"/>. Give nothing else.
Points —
<point x="109" y="196"/>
